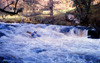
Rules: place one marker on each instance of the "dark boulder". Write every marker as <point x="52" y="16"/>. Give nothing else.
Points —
<point x="93" y="33"/>
<point x="69" y="17"/>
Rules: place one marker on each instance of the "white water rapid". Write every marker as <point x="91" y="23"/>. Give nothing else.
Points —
<point x="57" y="44"/>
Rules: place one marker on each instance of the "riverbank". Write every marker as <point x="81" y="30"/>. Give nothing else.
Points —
<point x="59" y="17"/>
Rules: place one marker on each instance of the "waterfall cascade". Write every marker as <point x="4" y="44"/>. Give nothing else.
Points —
<point x="75" y="31"/>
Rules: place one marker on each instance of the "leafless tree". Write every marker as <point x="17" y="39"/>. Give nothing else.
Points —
<point x="16" y="11"/>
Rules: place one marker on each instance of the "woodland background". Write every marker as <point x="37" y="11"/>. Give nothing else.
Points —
<point x="50" y="11"/>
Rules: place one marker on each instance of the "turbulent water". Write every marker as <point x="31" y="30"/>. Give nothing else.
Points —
<point x="57" y="44"/>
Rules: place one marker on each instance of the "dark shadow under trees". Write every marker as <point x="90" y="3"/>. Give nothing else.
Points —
<point x="83" y="10"/>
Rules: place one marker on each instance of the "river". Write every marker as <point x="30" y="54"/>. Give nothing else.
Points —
<point x="56" y="44"/>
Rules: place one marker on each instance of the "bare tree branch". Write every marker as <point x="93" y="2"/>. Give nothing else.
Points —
<point x="16" y="5"/>
<point x="15" y="10"/>
<point x="9" y="5"/>
<point x="8" y="12"/>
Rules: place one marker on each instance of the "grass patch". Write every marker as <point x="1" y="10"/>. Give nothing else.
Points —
<point x="13" y="17"/>
<point x="55" y="12"/>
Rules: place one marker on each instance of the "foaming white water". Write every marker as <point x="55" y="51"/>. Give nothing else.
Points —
<point x="57" y="44"/>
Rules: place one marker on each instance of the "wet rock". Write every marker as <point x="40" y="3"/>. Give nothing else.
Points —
<point x="2" y="34"/>
<point x="93" y="33"/>
<point x="82" y="28"/>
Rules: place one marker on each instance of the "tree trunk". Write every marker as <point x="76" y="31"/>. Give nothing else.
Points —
<point x="15" y="6"/>
<point x="51" y="11"/>
<point x="51" y="8"/>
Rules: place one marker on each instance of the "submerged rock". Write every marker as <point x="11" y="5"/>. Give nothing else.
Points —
<point x="87" y="58"/>
<point x="9" y="59"/>
<point x="64" y="30"/>
<point x="7" y="26"/>
<point x="38" y="50"/>
<point x="1" y="59"/>
<point x="91" y="59"/>
<point x="2" y="34"/>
